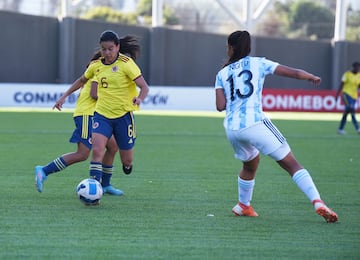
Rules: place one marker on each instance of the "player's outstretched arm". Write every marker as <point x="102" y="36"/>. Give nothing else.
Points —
<point x="75" y="86"/>
<point x="290" y="72"/>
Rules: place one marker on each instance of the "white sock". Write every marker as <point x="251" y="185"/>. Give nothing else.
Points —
<point x="245" y="189"/>
<point x="305" y="183"/>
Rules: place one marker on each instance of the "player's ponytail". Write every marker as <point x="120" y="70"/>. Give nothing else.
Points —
<point x="240" y="41"/>
<point x="96" y="55"/>
<point x="129" y="45"/>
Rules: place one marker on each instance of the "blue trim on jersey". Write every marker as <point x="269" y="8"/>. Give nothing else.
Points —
<point x="274" y="130"/>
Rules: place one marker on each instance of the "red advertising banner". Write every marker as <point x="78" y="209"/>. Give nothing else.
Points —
<point x="302" y="100"/>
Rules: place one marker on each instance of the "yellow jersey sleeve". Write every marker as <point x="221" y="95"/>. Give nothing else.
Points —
<point x="117" y="89"/>
<point x="85" y="104"/>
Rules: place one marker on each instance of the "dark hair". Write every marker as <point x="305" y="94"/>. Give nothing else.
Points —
<point x="129" y="44"/>
<point x="356" y="64"/>
<point x="96" y="56"/>
<point x="109" y="36"/>
<point x="240" y="41"/>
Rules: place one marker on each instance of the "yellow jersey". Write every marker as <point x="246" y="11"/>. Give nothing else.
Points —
<point x="116" y="86"/>
<point x="85" y="104"/>
<point x="351" y="83"/>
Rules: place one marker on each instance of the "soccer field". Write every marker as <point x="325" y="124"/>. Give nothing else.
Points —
<point x="178" y="200"/>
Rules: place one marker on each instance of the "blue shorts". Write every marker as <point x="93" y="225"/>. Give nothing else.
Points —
<point x="123" y="129"/>
<point x="349" y="101"/>
<point x="82" y="132"/>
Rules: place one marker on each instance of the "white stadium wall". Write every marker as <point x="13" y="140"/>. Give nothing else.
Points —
<point x="174" y="98"/>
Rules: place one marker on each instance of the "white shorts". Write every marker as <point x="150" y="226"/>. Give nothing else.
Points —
<point x="262" y="137"/>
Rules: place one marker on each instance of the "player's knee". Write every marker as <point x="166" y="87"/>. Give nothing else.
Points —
<point x="97" y="154"/>
<point x="112" y="150"/>
<point x="112" y="147"/>
<point x="252" y="165"/>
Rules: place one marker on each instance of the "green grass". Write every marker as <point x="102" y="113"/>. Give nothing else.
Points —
<point x="178" y="199"/>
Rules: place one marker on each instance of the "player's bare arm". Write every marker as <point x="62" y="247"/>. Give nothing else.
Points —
<point x="144" y="90"/>
<point x="220" y="100"/>
<point x="94" y="90"/>
<point x="79" y="83"/>
<point x="290" y="72"/>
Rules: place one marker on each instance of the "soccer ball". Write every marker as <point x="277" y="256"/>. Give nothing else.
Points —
<point x="89" y="191"/>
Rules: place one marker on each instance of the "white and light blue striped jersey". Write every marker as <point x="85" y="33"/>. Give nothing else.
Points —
<point x="242" y="82"/>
